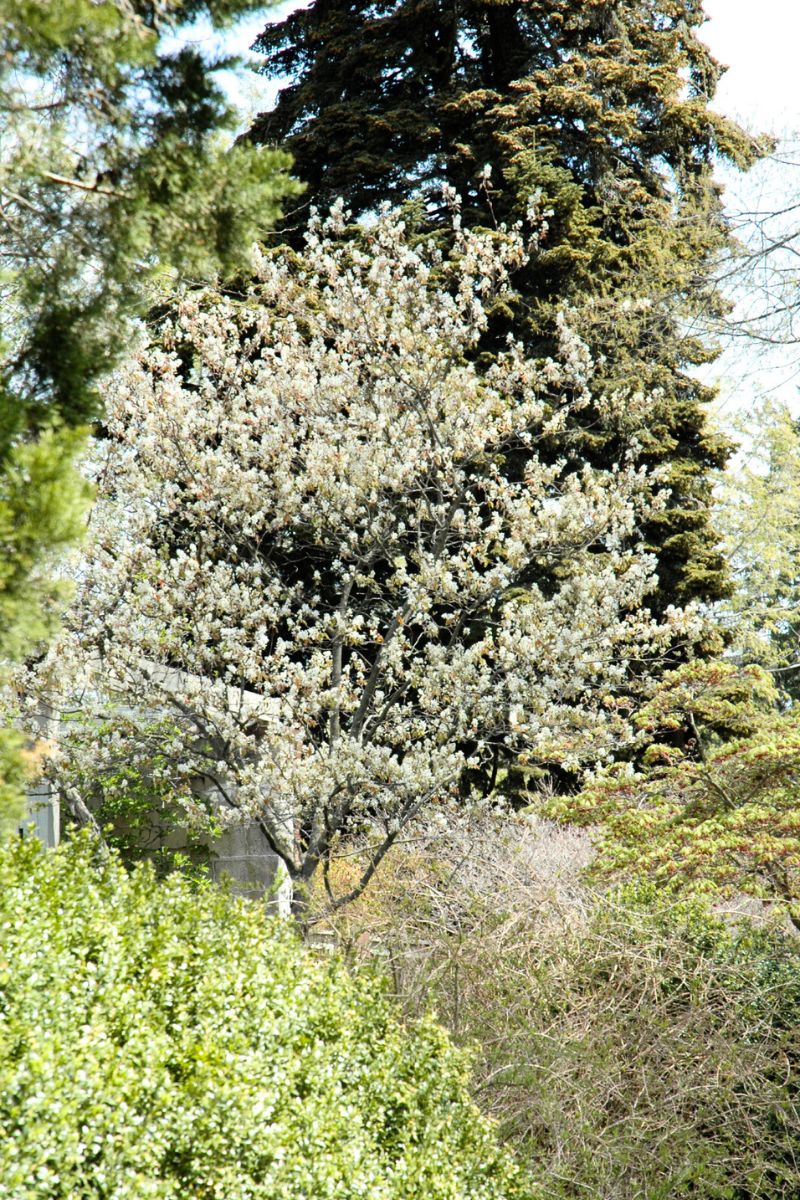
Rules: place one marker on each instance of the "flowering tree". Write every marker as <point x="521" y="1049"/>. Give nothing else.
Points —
<point x="313" y="581"/>
<point x="113" y="169"/>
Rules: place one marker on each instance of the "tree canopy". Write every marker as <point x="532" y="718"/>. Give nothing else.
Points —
<point x="307" y="556"/>
<point x="396" y="512"/>
<point x="716" y="815"/>
<point x="111" y="167"/>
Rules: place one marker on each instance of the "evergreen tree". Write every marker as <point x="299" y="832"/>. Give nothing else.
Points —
<point x="717" y="815"/>
<point x="111" y="168"/>
<point x="598" y="108"/>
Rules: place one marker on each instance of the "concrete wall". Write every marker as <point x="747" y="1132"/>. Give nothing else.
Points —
<point x="240" y="857"/>
<point x="43" y="818"/>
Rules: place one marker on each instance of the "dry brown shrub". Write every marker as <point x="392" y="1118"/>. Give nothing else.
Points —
<point x="625" y="1049"/>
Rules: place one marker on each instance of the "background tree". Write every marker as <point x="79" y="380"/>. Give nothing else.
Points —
<point x="111" y="170"/>
<point x="758" y="512"/>
<point x="601" y="110"/>
<point x="761" y="273"/>
<point x="308" y="560"/>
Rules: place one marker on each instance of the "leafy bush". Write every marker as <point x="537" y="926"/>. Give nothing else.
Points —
<point x="631" y="1048"/>
<point x="157" y="1041"/>
<point x="709" y="816"/>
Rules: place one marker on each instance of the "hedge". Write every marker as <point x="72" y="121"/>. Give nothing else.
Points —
<point x="161" y="1041"/>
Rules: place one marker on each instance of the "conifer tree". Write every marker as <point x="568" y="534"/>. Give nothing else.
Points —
<point x="598" y="108"/>
<point x="111" y="169"/>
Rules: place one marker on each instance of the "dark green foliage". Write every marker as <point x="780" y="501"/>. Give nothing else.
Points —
<point x="157" y="1041"/>
<point x="601" y="110"/>
<point x="111" y="168"/>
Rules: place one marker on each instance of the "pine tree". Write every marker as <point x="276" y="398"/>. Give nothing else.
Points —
<point x="111" y="169"/>
<point x="600" y="109"/>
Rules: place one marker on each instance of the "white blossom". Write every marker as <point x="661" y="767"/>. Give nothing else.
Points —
<point x="312" y="567"/>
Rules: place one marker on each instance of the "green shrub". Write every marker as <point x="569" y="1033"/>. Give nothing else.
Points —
<point x="161" y="1041"/>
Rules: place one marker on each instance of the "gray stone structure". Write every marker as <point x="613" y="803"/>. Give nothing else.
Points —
<point x="240" y="857"/>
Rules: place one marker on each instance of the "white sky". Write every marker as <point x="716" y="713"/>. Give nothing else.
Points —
<point x="759" y="41"/>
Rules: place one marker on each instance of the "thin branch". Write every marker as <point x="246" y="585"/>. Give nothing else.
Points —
<point x="65" y="181"/>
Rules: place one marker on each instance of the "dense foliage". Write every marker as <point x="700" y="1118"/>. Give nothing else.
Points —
<point x="399" y="512"/>
<point x="714" y="814"/>
<point x="111" y="166"/>
<point x="159" y="1042"/>
<point x="601" y="110"/>
<point x="758" y="511"/>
